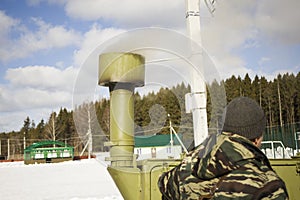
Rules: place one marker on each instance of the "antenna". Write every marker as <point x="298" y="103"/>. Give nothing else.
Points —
<point x="210" y="4"/>
<point x="196" y="100"/>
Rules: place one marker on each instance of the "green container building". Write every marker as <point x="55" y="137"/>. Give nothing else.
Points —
<point x="47" y="152"/>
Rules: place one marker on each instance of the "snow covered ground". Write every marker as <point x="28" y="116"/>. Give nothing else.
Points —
<point x="71" y="180"/>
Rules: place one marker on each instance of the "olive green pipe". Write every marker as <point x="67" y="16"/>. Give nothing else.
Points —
<point x="121" y="127"/>
<point x="121" y="72"/>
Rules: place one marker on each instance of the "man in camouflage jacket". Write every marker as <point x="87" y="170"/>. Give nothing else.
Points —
<point x="233" y="168"/>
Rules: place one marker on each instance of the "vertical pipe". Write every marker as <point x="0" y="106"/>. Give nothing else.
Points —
<point x="122" y="126"/>
<point x="198" y="87"/>
<point x="121" y="72"/>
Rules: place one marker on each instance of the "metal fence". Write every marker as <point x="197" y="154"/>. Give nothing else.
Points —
<point x="289" y="134"/>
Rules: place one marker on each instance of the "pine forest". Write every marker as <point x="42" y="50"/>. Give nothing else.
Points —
<point x="279" y="98"/>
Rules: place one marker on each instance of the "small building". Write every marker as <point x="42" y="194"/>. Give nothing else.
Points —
<point x="157" y="146"/>
<point x="47" y="152"/>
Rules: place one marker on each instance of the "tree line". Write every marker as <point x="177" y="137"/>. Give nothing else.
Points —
<point x="279" y="98"/>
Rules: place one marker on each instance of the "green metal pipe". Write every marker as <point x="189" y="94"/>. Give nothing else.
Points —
<point x="121" y="127"/>
<point x="121" y="72"/>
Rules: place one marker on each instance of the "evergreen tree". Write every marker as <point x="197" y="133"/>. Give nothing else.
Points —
<point x="40" y="128"/>
<point x="289" y="94"/>
<point x="297" y="99"/>
<point x="247" y="87"/>
<point x="102" y="111"/>
<point x="257" y="90"/>
<point x="233" y="88"/>
<point x="26" y="126"/>
<point x="216" y="105"/>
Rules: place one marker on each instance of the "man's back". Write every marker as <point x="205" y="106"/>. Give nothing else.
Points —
<point x="234" y="168"/>
<point x="252" y="178"/>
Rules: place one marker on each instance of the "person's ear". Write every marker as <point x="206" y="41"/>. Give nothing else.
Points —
<point x="257" y="141"/>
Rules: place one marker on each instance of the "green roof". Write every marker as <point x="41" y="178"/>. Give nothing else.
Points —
<point x="46" y="143"/>
<point x="155" y="140"/>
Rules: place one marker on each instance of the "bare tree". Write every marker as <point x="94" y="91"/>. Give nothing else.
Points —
<point x="52" y="128"/>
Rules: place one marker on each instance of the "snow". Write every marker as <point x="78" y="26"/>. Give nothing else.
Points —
<point x="71" y="180"/>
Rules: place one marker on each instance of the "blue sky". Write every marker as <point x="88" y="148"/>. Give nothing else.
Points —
<point x="43" y="43"/>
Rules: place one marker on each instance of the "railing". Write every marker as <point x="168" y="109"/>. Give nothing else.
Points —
<point x="275" y="150"/>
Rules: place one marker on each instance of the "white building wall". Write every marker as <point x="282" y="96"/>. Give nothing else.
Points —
<point x="158" y="152"/>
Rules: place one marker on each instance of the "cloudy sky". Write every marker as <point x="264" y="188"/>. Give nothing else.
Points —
<point x="43" y="43"/>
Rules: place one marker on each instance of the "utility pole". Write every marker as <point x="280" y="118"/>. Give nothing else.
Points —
<point x="171" y="134"/>
<point x="196" y="100"/>
<point x="24" y="140"/>
<point x="90" y="139"/>
<point x="8" y="150"/>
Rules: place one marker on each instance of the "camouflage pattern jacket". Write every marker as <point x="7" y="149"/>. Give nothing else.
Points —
<point x="232" y="169"/>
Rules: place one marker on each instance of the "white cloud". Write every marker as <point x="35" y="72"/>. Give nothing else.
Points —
<point x="249" y="26"/>
<point x="35" y="87"/>
<point x="228" y="65"/>
<point x="91" y="40"/>
<point x="51" y="36"/>
<point x="34" y="91"/>
<point x="279" y="20"/>
<point x="231" y="25"/>
<point x="47" y="36"/>
<point x="42" y="77"/>
<point x="32" y="98"/>
<point x="263" y="60"/>
<point x="13" y="121"/>
<point x="7" y="24"/>
<point x="230" y="28"/>
<point x="129" y="13"/>
<point x="16" y="106"/>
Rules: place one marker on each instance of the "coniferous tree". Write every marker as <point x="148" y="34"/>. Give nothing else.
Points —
<point x="233" y="88"/>
<point x="26" y="126"/>
<point x="289" y="94"/>
<point x="40" y="128"/>
<point x="216" y="104"/>
<point x="102" y="111"/>
<point x="246" y="87"/>
<point x="279" y="98"/>
<point x="257" y="90"/>
<point x="297" y="99"/>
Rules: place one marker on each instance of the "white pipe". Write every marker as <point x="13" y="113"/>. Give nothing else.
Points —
<point x="197" y="98"/>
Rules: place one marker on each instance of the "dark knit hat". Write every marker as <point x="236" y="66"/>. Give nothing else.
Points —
<point x="245" y="117"/>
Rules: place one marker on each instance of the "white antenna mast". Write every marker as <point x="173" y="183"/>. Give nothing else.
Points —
<point x="196" y="100"/>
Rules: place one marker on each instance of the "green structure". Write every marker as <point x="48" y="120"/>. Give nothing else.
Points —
<point x="47" y="152"/>
<point x="155" y="140"/>
<point x="137" y="179"/>
<point x="122" y="72"/>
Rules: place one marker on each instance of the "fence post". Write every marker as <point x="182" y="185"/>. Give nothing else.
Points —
<point x="297" y="138"/>
<point x="8" y="153"/>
